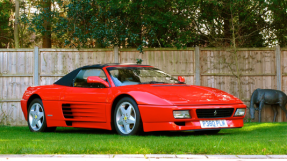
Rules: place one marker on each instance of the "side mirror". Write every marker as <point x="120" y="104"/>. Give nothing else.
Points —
<point x="181" y="79"/>
<point x="96" y="79"/>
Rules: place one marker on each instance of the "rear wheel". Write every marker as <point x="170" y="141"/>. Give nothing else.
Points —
<point x="127" y="119"/>
<point x="36" y="117"/>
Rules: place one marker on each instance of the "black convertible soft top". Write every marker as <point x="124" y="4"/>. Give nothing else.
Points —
<point x="67" y="80"/>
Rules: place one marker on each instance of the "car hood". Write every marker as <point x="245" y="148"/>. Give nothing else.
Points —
<point x="190" y="95"/>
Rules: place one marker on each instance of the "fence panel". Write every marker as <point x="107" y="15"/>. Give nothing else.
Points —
<point x="57" y="63"/>
<point x="284" y="76"/>
<point x="257" y="68"/>
<point x="16" y="74"/>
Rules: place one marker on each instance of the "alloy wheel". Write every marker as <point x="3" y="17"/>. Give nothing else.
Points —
<point x="36" y="116"/>
<point x="126" y="117"/>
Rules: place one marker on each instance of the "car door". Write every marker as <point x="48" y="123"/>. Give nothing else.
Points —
<point x="85" y="102"/>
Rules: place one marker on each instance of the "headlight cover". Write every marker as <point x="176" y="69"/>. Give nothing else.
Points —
<point x="240" y="112"/>
<point x="181" y="114"/>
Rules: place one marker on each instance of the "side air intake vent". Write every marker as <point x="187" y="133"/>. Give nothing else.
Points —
<point x="67" y="111"/>
<point x="79" y="115"/>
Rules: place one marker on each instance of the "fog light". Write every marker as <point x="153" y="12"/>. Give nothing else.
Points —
<point x="181" y="114"/>
<point x="240" y="112"/>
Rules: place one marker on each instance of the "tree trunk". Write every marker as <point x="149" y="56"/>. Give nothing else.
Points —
<point x="46" y="38"/>
<point x="238" y="72"/>
<point x="226" y="28"/>
<point x="16" y="30"/>
<point x="226" y="15"/>
<point x="137" y="23"/>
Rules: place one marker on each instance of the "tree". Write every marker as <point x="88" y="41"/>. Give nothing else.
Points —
<point x="26" y="37"/>
<point x="46" y="37"/>
<point x="214" y="22"/>
<point x="16" y="24"/>
<point x="6" y="25"/>
<point x="134" y="23"/>
<point x="41" y="21"/>
<point x="149" y="23"/>
<point x="246" y="21"/>
<point x="277" y="16"/>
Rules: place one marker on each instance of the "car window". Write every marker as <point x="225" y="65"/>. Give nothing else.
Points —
<point x="81" y="78"/>
<point x="123" y="76"/>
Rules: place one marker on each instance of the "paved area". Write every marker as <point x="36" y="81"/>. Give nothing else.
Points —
<point x="141" y="157"/>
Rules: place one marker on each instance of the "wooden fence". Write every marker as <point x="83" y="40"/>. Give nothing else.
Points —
<point x="259" y="67"/>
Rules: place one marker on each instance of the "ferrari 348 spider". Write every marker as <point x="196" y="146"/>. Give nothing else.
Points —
<point x="129" y="99"/>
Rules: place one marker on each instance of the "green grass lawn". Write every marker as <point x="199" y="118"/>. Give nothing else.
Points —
<point x="253" y="138"/>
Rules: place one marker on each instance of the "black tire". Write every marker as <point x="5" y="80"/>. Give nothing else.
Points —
<point x="135" y="128"/>
<point x="30" y="118"/>
<point x="212" y="132"/>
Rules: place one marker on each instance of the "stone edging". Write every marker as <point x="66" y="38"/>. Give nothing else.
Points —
<point x="150" y="156"/>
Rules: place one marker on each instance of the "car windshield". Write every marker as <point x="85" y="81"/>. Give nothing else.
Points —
<point x="123" y="76"/>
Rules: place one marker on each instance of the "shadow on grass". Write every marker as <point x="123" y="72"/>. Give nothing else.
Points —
<point x="247" y="129"/>
<point x="109" y="132"/>
<point x="83" y="131"/>
<point x="180" y="133"/>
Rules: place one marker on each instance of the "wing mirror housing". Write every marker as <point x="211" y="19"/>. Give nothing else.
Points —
<point x="181" y="79"/>
<point x="96" y="79"/>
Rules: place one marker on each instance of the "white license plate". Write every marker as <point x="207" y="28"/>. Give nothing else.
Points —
<point x="213" y="123"/>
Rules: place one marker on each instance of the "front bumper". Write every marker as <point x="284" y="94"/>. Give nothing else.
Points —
<point x="160" y="118"/>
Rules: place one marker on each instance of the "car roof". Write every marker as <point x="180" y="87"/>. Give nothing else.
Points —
<point x="110" y="64"/>
<point x="67" y="80"/>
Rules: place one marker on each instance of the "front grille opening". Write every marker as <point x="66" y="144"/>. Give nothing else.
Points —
<point x="180" y="123"/>
<point x="69" y="123"/>
<point x="214" y="113"/>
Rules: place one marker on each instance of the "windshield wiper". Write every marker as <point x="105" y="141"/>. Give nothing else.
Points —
<point x="153" y="82"/>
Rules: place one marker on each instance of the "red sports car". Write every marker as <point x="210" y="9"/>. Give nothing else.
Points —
<point x="129" y="99"/>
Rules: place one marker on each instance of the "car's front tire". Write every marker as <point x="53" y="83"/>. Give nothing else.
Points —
<point x="37" y="118"/>
<point x="127" y="119"/>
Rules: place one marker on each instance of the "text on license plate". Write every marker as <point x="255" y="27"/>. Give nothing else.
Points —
<point x="213" y="123"/>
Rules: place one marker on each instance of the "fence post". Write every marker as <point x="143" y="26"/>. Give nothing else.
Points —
<point x="116" y="53"/>
<point x="278" y="67"/>
<point x="279" y="77"/>
<point x="197" y="65"/>
<point x="36" y="66"/>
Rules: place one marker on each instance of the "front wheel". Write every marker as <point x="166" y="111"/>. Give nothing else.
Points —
<point x="36" y="117"/>
<point x="127" y="119"/>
